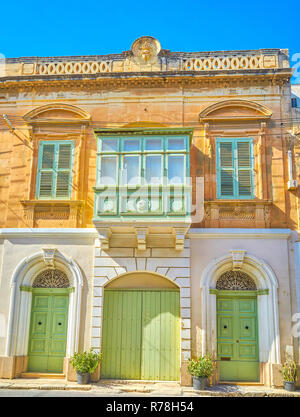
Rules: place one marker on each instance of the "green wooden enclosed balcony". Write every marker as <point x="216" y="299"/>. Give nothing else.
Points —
<point x="143" y="177"/>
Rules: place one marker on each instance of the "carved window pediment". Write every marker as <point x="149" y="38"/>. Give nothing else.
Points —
<point x="57" y="113"/>
<point x="235" y="110"/>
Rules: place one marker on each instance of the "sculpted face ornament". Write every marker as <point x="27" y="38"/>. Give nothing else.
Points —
<point x="146" y="49"/>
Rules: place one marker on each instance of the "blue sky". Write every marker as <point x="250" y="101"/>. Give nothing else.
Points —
<point x="53" y="28"/>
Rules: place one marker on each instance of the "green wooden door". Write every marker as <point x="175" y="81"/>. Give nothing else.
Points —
<point x="141" y="335"/>
<point x="237" y="333"/>
<point x="48" y="330"/>
<point x="121" y="334"/>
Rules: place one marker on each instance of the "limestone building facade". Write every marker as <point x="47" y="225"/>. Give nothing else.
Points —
<point x="148" y="211"/>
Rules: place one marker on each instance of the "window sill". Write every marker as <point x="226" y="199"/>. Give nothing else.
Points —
<point x="52" y="213"/>
<point x="238" y="213"/>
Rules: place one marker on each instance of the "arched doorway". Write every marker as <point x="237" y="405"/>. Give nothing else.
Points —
<point x="267" y="307"/>
<point x="22" y="289"/>
<point x="48" y="321"/>
<point x="141" y="328"/>
<point x="237" y="327"/>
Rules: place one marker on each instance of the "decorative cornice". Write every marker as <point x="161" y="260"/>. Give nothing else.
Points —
<point x="144" y="131"/>
<point x="197" y="233"/>
<point x="93" y="82"/>
<point x="48" y="232"/>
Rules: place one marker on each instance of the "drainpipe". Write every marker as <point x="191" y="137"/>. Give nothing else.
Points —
<point x="292" y="183"/>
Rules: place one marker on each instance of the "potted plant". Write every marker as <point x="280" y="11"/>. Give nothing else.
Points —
<point x="200" y="369"/>
<point x="289" y="371"/>
<point x="85" y="364"/>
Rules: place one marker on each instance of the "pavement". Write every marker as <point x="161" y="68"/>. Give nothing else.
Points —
<point x="134" y="388"/>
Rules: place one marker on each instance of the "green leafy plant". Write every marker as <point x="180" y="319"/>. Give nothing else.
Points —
<point x="86" y="362"/>
<point x="289" y="371"/>
<point x="202" y="367"/>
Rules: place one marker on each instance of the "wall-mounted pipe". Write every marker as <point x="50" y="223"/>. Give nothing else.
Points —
<point x="292" y="183"/>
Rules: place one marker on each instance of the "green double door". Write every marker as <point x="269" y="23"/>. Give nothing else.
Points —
<point x="141" y="335"/>
<point x="48" y="330"/>
<point x="237" y="337"/>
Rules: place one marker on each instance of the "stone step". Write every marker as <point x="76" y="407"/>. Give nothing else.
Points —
<point x="42" y="375"/>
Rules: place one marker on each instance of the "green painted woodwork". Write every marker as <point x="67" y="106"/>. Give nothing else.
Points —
<point x="54" y="176"/>
<point x="141" y="335"/>
<point x="119" y="150"/>
<point x="27" y="288"/>
<point x="143" y="131"/>
<point x="234" y="166"/>
<point x="129" y="161"/>
<point x="237" y="337"/>
<point x="48" y="330"/>
<point x="239" y="293"/>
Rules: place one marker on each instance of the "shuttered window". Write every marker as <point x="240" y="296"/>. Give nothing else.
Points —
<point x="54" y="179"/>
<point x="235" y="168"/>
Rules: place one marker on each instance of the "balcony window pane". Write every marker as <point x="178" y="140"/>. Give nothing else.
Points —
<point x="108" y="170"/>
<point x="110" y="145"/>
<point x="153" y="169"/>
<point x="153" y="145"/>
<point x="176" y="144"/>
<point x="131" y="145"/>
<point x="131" y="170"/>
<point x="176" y="169"/>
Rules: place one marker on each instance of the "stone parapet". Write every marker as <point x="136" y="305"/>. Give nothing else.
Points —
<point x="164" y="60"/>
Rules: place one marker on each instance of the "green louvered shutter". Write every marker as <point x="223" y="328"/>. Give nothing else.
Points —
<point x="226" y="169"/>
<point x="54" y="178"/>
<point x="63" y="181"/>
<point x="46" y="171"/>
<point x="244" y="169"/>
<point x="234" y="168"/>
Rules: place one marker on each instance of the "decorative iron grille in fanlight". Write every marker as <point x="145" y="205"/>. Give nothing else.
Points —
<point x="51" y="278"/>
<point x="235" y="280"/>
